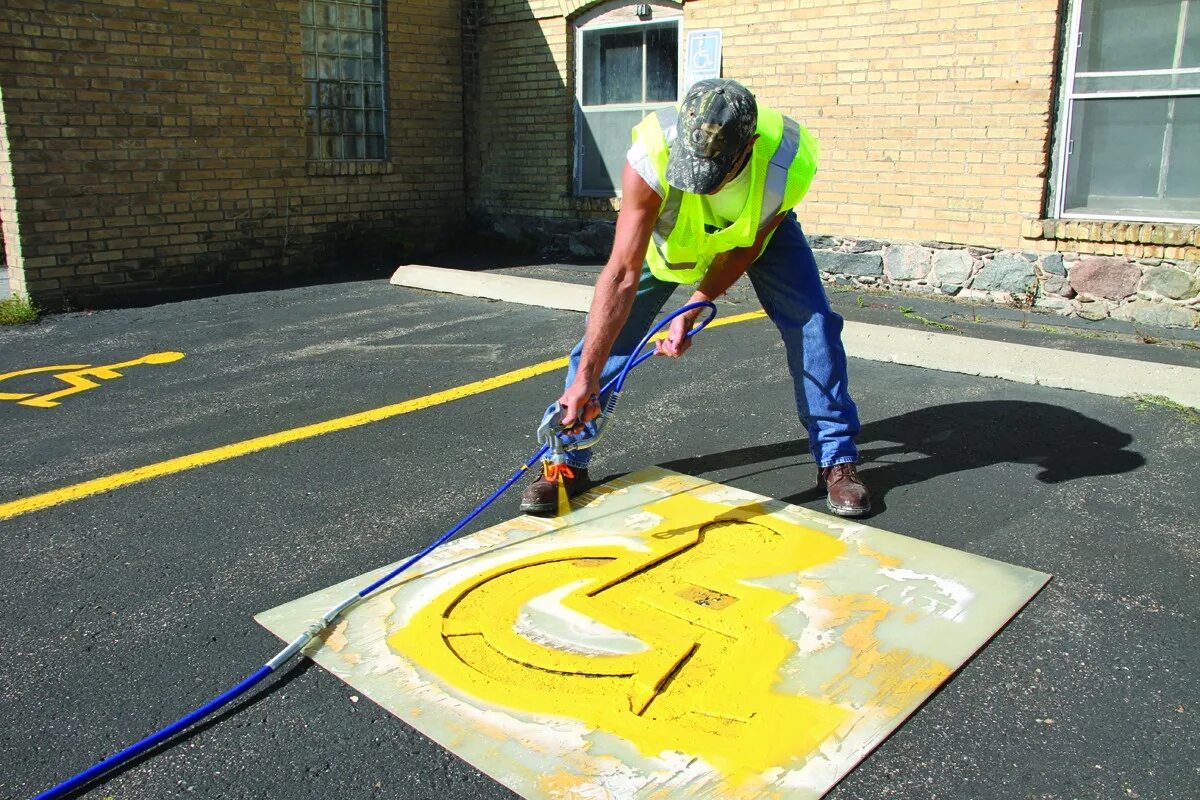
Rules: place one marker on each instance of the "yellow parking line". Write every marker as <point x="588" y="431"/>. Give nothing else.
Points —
<point x="37" y="502"/>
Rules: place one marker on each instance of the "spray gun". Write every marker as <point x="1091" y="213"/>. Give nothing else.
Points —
<point x="560" y="439"/>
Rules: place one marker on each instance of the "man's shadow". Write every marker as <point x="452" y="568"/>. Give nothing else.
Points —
<point x="956" y="437"/>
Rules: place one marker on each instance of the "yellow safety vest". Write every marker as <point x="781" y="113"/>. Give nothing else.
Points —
<point x="781" y="167"/>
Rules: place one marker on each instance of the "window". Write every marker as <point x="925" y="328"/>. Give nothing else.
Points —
<point x="342" y="48"/>
<point x="626" y="69"/>
<point x="1131" y="150"/>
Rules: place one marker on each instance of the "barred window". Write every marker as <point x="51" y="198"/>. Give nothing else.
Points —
<point x="342" y="47"/>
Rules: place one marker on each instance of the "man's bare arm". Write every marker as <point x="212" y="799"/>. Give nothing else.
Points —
<point x="616" y="289"/>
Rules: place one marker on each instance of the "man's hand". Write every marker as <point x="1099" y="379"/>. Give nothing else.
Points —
<point x="677" y="341"/>
<point x="579" y="405"/>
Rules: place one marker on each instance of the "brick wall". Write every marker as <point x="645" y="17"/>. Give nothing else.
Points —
<point x="160" y="143"/>
<point x="520" y="116"/>
<point x="933" y="115"/>
<point x="11" y="278"/>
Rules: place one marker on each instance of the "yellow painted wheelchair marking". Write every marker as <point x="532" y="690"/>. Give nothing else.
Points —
<point x="77" y="491"/>
<point x="704" y="685"/>
<point x="33" y="371"/>
<point x="78" y="377"/>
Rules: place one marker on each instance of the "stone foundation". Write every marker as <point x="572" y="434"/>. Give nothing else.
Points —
<point x="1149" y="291"/>
<point x="550" y="237"/>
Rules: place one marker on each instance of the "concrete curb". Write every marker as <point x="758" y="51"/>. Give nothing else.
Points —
<point x="527" y="291"/>
<point x="1039" y="366"/>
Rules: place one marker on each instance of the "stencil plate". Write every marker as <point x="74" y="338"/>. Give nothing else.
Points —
<point x="672" y="637"/>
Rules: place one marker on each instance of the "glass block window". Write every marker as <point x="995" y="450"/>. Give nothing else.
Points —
<point x="1130" y="137"/>
<point x="624" y="72"/>
<point x="342" y="48"/>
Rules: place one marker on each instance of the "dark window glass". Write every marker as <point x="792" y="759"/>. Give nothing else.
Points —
<point x="635" y="66"/>
<point x="342" y="66"/>
<point x="662" y="64"/>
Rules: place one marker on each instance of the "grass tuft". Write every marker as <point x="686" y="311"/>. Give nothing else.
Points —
<point x="1147" y="401"/>
<point x="911" y="313"/>
<point x="17" y="310"/>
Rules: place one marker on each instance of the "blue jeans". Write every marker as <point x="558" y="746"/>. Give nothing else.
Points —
<point x="787" y="284"/>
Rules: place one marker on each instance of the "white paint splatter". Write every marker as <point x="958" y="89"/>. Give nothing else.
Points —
<point x="820" y="631"/>
<point x="546" y="621"/>
<point x="643" y="521"/>
<point x="727" y="495"/>
<point x="949" y="600"/>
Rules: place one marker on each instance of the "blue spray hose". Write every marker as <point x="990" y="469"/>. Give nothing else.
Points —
<point x="112" y="762"/>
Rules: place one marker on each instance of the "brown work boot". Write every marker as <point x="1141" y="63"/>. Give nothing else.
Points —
<point x="848" y="495"/>
<point x="541" y="496"/>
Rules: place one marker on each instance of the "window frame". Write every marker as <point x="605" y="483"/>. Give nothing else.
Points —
<point x="584" y="27"/>
<point x="365" y="162"/>
<point x="1067" y="98"/>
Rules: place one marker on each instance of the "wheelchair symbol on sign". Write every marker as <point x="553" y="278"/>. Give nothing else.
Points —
<point x="704" y="55"/>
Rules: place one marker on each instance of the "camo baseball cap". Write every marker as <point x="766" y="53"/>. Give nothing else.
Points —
<point x="717" y="119"/>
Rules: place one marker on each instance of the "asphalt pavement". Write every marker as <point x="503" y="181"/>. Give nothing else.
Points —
<point x="128" y="608"/>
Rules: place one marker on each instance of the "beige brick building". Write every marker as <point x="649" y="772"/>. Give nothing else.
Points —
<point x="993" y="147"/>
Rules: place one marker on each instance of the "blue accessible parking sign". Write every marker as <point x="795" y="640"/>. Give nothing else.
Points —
<point x="703" y="56"/>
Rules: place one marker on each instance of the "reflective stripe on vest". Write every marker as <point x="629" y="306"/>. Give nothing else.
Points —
<point x="777" y="173"/>
<point x="645" y="165"/>
<point x="669" y="215"/>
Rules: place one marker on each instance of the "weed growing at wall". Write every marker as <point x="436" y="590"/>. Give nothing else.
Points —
<point x="16" y="310"/>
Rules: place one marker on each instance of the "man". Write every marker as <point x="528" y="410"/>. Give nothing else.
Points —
<point x="707" y="193"/>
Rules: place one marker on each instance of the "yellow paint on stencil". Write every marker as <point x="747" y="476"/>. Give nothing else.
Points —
<point x="883" y="559"/>
<point x="78" y="491"/>
<point x="335" y="639"/>
<point x="893" y="678"/>
<point x="705" y="683"/>
<point x="78" y="377"/>
<point x="566" y="786"/>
